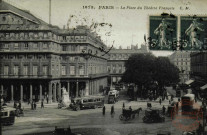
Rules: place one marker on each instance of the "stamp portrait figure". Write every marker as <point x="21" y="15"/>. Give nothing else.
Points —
<point x="192" y="33"/>
<point x="161" y="31"/>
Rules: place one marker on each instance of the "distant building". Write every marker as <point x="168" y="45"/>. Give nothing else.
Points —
<point x="116" y="61"/>
<point x="37" y="59"/>
<point x="182" y="61"/>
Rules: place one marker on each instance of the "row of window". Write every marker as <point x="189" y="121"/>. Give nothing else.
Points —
<point x="184" y="69"/>
<point x="96" y="69"/>
<point x="25" y="35"/>
<point x="182" y="63"/>
<point x="36" y="56"/>
<point x="73" y="48"/>
<point x="199" y="58"/>
<point x="116" y="69"/>
<point x="39" y="35"/>
<point x="183" y="55"/>
<point x="42" y="45"/>
<point x="199" y="68"/>
<point x="25" y="45"/>
<point x="119" y="56"/>
<point x="72" y="70"/>
<point x="16" y="70"/>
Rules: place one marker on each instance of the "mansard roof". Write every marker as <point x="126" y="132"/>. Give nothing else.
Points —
<point x="6" y="7"/>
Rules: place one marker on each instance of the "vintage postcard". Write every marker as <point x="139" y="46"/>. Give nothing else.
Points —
<point x="103" y="67"/>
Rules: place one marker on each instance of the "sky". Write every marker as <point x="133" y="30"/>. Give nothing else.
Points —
<point x="128" y="26"/>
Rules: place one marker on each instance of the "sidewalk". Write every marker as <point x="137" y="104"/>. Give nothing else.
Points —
<point x="25" y="105"/>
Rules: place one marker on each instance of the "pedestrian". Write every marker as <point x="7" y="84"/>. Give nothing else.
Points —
<point x="160" y="101"/>
<point x="112" y="110"/>
<point x="32" y="105"/>
<point x="173" y="112"/>
<point x="20" y="105"/>
<point x="123" y="110"/>
<point x="177" y="107"/>
<point x="163" y="110"/>
<point x="15" y="104"/>
<point x="42" y="103"/>
<point x="35" y="105"/>
<point x="130" y="108"/>
<point x="123" y="105"/>
<point x="172" y="98"/>
<point x="47" y="99"/>
<point x="104" y="109"/>
<point x="28" y="101"/>
<point x="199" y="130"/>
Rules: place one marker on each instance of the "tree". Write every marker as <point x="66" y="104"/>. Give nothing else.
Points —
<point x="165" y="73"/>
<point x="139" y="70"/>
<point x="146" y="71"/>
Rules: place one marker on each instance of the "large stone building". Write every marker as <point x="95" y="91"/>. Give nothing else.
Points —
<point x="116" y="61"/>
<point x="199" y="69"/>
<point x="182" y="60"/>
<point x="38" y="59"/>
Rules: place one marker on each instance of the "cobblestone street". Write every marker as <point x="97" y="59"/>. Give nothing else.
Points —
<point x="89" y="121"/>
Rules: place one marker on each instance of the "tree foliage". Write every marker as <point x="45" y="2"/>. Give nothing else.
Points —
<point x="145" y="69"/>
<point x="139" y="68"/>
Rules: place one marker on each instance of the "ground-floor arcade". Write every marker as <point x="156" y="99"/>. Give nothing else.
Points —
<point x="51" y="90"/>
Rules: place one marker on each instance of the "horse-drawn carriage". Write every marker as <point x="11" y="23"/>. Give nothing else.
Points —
<point x="129" y="114"/>
<point x="153" y="115"/>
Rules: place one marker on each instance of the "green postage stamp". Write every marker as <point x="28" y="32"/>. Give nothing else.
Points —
<point x="187" y="33"/>
<point x="193" y="33"/>
<point x="162" y="32"/>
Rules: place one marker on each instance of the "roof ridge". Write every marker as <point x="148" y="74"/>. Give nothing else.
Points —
<point x="27" y="14"/>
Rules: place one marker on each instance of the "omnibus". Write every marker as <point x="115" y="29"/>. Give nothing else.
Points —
<point x="87" y="102"/>
<point x="187" y="102"/>
<point x="113" y="96"/>
<point x="8" y="115"/>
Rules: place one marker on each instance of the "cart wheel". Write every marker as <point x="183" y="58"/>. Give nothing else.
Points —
<point x="127" y="118"/>
<point x="121" y="117"/>
<point x="144" y="119"/>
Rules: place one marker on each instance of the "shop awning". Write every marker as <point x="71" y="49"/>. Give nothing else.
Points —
<point x="189" y="82"/>
<point x="204" y="87"/>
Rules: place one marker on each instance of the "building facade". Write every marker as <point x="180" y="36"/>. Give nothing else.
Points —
<point x="116" y="61"/>
<point x="38" y="60"/>
<point x="182" y="60"/>
<point x="199" y="69"/>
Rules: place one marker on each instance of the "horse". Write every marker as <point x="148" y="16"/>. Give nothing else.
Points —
<point x="129" y="114"/>
<point x="136" y="112"/>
